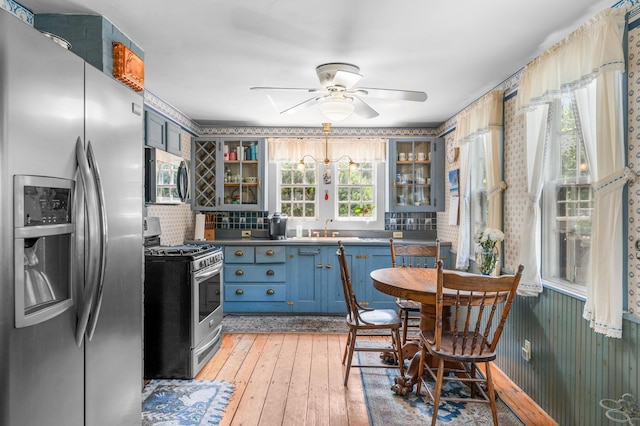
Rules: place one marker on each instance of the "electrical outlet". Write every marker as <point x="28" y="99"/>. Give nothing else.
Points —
<point x="397" y="234"/>
<point x="246" y="233"/>
<point x="526" y="351"/>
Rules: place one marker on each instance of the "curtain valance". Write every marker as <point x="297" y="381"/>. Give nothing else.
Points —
<point x="480" y="118"/>
<point x="360" y="150"/>
<point x="594" y="48"/>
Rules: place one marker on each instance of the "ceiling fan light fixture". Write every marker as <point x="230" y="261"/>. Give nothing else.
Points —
<point x="336" y="110"/>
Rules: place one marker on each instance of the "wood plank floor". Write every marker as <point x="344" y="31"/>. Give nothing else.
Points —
<point x="296" y="379"/>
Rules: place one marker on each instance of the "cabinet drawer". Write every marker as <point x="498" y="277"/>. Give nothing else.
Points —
<point x="255" y="293"/>
<point x="239" y="254"/>
<point x="270" y="254"/>
<point x="255" y="273"/>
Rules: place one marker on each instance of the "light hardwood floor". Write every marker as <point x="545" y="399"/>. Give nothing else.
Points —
<point x="296" y="379"/>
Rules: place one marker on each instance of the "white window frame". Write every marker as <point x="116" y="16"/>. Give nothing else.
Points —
<point x="551" y="241"/>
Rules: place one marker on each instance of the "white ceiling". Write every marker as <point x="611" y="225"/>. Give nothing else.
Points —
<point x="202" y="56"/>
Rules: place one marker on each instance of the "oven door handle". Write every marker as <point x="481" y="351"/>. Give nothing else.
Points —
<point x="210" y="342"/>
<point x="208" y="273"/>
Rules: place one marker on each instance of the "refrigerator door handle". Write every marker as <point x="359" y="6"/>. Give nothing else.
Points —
<point x="103" y="241"/>
<point x="183" y="181"/>
<point x="92" y="258"/>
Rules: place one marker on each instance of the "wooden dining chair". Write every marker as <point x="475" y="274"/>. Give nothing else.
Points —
<point x="412" y="256"/>
<point x="479" y="310"/>
<point x="361" y="318"/>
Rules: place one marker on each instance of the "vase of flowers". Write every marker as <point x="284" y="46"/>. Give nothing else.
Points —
<point x="487" y="252"/>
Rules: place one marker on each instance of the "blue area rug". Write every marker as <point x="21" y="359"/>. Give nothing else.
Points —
<point x="388" y="409"/>
<point x="184" y="402"/>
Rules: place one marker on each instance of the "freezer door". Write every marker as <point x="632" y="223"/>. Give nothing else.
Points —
<point x="42" y="104"/>
<point x="113" y="378"/>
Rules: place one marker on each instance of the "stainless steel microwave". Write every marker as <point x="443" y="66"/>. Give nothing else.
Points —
<point x="166" y="177"/>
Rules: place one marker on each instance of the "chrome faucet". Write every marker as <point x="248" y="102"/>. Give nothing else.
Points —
<point x="326" y="222"/>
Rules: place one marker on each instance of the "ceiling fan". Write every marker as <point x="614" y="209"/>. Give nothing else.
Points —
<point x="338" y="97"/>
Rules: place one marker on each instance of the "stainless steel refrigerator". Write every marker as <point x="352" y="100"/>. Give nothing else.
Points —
<point x="71" y="251"/>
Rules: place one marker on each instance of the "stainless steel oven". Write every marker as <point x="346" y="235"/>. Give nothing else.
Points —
<point x="182" y="309"/>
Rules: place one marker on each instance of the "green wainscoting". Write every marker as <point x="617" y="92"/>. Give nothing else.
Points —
<point x="572" y="368"/>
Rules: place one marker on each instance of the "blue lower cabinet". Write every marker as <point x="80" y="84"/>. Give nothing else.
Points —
<point x="253" y="285"/>
<point x="304" y="279"/>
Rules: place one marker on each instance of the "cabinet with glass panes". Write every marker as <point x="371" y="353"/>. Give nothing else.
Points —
<point x="416" y="174"/>
<point x="228" y="174"/>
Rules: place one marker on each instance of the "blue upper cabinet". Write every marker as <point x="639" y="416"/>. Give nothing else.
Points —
<point x="416" y="175"/>
<point x="162" y="134"/>
<point x="154" y="127"/>
<point x="174" y="144"/>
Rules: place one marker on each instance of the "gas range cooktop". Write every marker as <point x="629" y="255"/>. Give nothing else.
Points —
<point x="181" y="250"/>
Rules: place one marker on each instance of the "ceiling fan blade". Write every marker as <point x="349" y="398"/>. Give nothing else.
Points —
<point x="299" y="89"/>
<point x="362" y="109"/>
<point x="304" y="104"/>
<point x="346" y="79"/>
<point x="404" y="95"/>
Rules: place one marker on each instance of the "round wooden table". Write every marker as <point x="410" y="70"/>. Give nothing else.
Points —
<point x="420" y="285"/>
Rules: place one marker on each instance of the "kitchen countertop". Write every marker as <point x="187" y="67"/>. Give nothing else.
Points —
<point x="314" y="241"/>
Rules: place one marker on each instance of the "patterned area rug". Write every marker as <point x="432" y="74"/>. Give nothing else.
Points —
<point x="184" y="402"/>
<point x="306" y="324"/>
<point x="388" y="409"/>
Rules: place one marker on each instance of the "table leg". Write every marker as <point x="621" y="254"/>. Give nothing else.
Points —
<point x="404" y="385"/>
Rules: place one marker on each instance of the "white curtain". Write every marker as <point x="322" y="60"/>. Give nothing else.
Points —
<point x="464" y="192"/>
<point x="359" y="149"/>
<point x="601" y="101"/>
<point x="481" y="123"/>
<point x="589" y="62"/>
<point x="536" y="154"/>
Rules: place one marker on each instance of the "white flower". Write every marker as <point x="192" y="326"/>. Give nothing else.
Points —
<point x="489" y="235"/>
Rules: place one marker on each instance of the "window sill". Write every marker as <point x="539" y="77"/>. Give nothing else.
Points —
<point x="575" y="291"/>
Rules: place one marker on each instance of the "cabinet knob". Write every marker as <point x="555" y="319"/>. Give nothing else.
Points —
<point x="239" y="291"/>
<point x="270" y="253"/>
<point x="271" y="291"/>
<point x="239" y="272"/>
<point x="328" y="266"/>
<point x="239" y="253"/>
<point x="270" y="272"/>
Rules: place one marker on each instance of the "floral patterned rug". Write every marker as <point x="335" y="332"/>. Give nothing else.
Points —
<point x="388" y="409"/>
<point x="184" y="402"/>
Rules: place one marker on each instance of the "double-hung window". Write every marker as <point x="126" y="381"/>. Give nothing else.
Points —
<point x="567" y="200"/>
<point x="356" y="190"/>
<point x="298" y="190"/>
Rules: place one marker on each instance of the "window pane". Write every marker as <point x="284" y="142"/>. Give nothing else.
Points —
<point x="567" y="202"/>
<point x="297" y="190"/>
<point x="356" y="190"/>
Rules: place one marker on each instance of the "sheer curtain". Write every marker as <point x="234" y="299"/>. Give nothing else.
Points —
<point x="360" y="149"/>
<point x="481" y="123"/>
<point x="588" y="62"/>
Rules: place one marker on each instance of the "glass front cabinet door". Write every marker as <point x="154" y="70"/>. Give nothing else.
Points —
<point x="416" y="174"/>
<point x="228" y="174"/>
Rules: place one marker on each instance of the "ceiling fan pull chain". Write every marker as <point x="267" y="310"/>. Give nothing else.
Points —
<point x="326" y="195"/>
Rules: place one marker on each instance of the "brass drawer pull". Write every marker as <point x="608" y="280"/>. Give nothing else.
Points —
<point x="239" y="291"/>
<point x="271" y="291"/>
<point x="319" y="266"/>
<point x="270" y="272"/>
<point x="239" y="272"/>
<point x="328" y="266"/>
<point x="239" y="253"/>
<point x="270" y="253"/>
